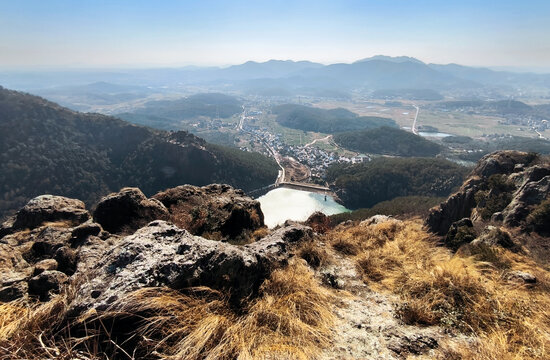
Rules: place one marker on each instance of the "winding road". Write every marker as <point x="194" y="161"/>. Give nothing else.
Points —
<point x="314" y="141"/>
<point x="414" y="130"/>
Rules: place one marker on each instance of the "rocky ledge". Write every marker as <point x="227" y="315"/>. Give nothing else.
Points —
<point x="129" y="243"/>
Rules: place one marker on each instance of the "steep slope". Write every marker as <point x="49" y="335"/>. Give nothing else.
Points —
<point x="45" y="148"/>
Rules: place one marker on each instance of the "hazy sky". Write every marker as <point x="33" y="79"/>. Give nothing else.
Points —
<point x="85" y="33"/>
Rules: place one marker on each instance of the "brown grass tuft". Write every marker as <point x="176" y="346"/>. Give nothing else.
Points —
<point x="314" y="254"/>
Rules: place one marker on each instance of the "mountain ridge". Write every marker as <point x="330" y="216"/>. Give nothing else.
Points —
<point x="46" y="148"/>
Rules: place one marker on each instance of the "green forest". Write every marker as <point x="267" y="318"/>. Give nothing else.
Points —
<point x="387" y="141"/>
<point x="48" y="149"/>
<point x="366" y="184"/>
<point x="326" y="121"/>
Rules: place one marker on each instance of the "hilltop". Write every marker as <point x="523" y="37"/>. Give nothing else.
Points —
<point x="326" y="121"/>
<point x="137" y="276"/>
<point x="387" y="141"/>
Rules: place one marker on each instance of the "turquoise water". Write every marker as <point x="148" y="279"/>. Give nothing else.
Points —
<point x="283" y="204"/>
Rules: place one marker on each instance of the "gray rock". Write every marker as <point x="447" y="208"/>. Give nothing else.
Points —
<point x="494" y="236"/>
<point x="162" y="254"/>
<point x="376" y="219"/>
<point x="128" y="210"/>
<point x="50" y="281"/>
<point x="522" y="276"/>
<point x="46" y="208"/>
<point x="530" y="193"/>
<point x="502" y="162"/>
<point x="457" y="207"/>
<point x="211" y="209"/>
<point x="529" y="174"/>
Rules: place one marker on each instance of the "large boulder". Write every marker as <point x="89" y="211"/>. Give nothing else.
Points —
<point x="214" y="211"/>
<point x="128" y="210"/>
<point x="46" y="208"/>
<point x="162" y="254"/>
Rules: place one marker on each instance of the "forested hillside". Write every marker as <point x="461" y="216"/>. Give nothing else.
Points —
<point x="363" y="185"/>
<point x="326" y="121"/>
<point x="387" y="141"/>
<point x="45" y="148"/>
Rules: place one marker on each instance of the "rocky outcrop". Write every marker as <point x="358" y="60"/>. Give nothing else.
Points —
<point x="533" y="189"/>
<point x="162" y="254"/>
<point x="128" y="210"/>
<point x="214" y="211"/>
<point x="507" y="185"/>
<point x="457" y="207"/>
<point x="52" y="241"/>
<point x="44" y="237"/>
<point x="46" y="208"/>
<point x="503" y="162"/>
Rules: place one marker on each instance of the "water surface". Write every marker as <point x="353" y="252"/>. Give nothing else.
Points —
<point x="283" y="204"/>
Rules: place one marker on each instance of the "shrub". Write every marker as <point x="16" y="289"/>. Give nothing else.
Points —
<point x="539" y="218"/>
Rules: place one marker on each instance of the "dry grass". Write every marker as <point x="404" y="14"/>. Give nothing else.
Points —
<point x="290" y="319"/>
<point x="314" y="254"/>
<point x="259" y="234"/>
<point x="31" y="330"/>
<point x="468" y="293"/>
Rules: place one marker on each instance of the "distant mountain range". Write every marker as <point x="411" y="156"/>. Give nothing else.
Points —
<point x="277" y="77"/>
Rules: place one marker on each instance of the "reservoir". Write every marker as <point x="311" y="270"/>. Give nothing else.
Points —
<point x="283" y="204"/>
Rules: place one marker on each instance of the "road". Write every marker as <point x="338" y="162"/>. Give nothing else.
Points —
<point x="281" y="175"/>
<point x="241" y="122"/>
<point x="414" y="130"/>
<point x="314" y="141"/>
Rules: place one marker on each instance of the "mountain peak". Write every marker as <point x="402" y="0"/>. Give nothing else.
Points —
<point x="395" y="59"/>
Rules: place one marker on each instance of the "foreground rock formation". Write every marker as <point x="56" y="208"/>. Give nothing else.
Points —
<point x="162" y="254"/>
<point x="139" y="276"/>
<point x="130" y="245"/>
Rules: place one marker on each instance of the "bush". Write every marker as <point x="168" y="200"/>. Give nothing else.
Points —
<point x="539" y="218"/>
<point x="495" y="197"/>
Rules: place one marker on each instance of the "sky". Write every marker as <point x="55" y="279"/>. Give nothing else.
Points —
<point x="156" y="33"/>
